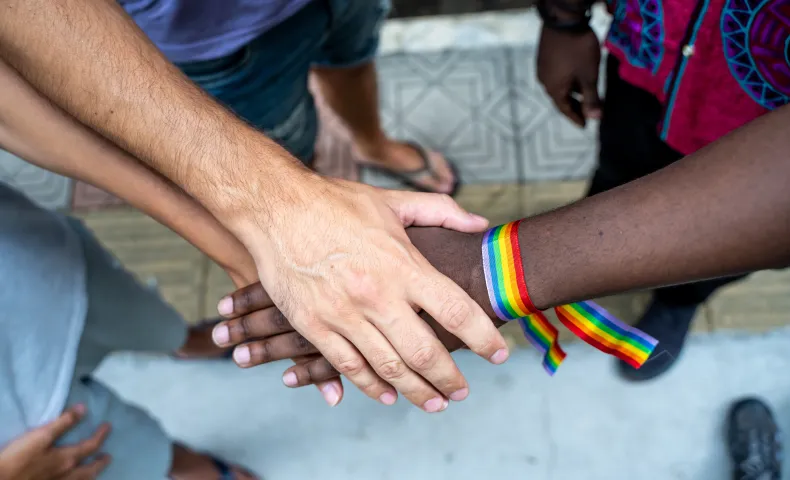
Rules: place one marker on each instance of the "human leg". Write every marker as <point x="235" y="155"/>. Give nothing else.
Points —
<point x="124" y="315"/>
<point x="346" y="76"/>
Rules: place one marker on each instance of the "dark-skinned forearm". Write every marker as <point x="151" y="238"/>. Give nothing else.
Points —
<point x="723" y="211"/>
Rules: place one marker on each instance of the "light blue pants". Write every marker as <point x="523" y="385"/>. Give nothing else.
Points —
<point x="123" y="315"/>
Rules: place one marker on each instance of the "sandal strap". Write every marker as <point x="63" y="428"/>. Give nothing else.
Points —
<point x="427" y="163"/>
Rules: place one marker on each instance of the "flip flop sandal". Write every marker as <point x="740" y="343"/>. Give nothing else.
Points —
<point x="225" y="469"/>
<point x="207" y="324"/>
<point x="410" y="178"/>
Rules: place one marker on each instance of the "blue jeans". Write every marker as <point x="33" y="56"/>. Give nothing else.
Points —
<point x="265" y="82"/>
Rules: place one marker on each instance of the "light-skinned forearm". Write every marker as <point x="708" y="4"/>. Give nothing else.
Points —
<point x="36" y="130"/>
<point x="89" y="58"/>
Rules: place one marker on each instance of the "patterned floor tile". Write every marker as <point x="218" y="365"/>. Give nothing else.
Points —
<point x="156" y="255"/>
<point x="550" y="147"/>
<point x="456" y="102"/>
<point x="45" y="188"/>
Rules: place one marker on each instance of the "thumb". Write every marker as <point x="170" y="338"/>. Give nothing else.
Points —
<point x="591" y="102"/>
<point x="417" y="209"/>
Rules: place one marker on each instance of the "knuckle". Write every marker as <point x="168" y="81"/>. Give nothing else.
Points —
<point x="424" y="358"/>
<point x="279" y="320"/>
<point x="350" y="367"/>
<point x="360" y="286"/>
<point x="305" y="374"/>
<point x="244" y="300"/>
<point x="319" y="371"/>
<point x="455" y="314"/>
<point x="489" y="345"/>
<point x="260" y="353"/>
<point x="68" y="463"/>
<point x="447" y="199"/>
<point x="301" y="343"/>
<point x="392" y="370"/>
<point x="245" y="327"/>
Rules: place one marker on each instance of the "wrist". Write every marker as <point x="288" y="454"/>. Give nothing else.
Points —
<point x="253" y="199"/>
<point x="567" y="16"/>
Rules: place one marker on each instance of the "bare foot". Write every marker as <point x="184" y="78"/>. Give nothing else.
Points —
<point x="199" y="344"/>
<point x="404" y="158"/>
<point x="190" y="465"/>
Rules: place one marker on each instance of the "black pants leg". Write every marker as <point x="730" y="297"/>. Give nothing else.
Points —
<point x="631" y="148"/>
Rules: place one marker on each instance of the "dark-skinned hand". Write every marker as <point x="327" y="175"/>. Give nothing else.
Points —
<point x="568" y="69"/>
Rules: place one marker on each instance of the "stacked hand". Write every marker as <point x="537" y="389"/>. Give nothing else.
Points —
<point x="335" y="259"/>
<point x="262" y="334"/>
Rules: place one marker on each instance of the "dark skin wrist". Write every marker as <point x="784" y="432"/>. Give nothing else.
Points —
<point x="567" y="11"/>
<point x="457" y="256"/>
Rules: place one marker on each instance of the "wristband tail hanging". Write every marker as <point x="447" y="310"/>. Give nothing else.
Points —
<point x="507" y="292"/>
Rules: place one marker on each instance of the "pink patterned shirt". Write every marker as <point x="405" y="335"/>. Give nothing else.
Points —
<point x="714" y="64"/>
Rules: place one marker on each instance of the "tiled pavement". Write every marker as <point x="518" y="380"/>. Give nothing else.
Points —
<point x="483" y="108"/>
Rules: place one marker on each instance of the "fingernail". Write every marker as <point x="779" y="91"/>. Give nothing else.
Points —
<point x="330" y="395"/>
<point x="435" y="405"/>
<point x="499" y="356"/>
<point x="225" y="306"/>
<point x="459" y="395"/>
<point x="79" y="409"/>
<point x="289" y="379"/>
<point x="387" y="398"/>
<point x="221" y="335"/>
<point x="242" y="355"/>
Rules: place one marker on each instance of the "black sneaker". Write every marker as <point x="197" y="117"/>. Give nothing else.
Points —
<point x="669" y="325"/>
<point x="754" y="441"/>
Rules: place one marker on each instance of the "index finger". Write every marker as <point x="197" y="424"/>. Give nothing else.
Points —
<point x="65" y="422"/>
<point x="244" y="300"/>
<point x="451" y="307"/>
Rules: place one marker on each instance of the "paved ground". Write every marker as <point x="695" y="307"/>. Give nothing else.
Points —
<point x="517" y="423"/>
<point x="484" y="108"/>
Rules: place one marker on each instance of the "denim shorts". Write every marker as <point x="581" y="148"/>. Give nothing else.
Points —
<point x="265" y="82"/>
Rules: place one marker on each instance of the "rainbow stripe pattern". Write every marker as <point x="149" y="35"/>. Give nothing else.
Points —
<point x="507" y="291"/>
<point x="597" y="327"/>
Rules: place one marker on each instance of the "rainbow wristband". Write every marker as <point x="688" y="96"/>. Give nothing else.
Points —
<point x="508" y="294"/>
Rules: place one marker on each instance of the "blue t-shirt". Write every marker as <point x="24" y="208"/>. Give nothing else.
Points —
<point x="194" y="30"/>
